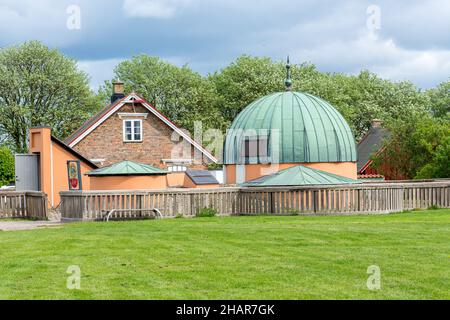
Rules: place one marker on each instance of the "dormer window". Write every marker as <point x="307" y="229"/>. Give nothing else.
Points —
<point x="132" y="130"/>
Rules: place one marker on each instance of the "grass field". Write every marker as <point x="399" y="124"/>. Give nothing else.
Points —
<point x="233" y="258"/>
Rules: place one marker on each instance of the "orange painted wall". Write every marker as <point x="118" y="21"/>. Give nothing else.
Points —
<point x="129" y="182"/>
<point x="60" y="182"/>
<point x="175" y="179"/>
<point x="181" y="180"/>
<point x="53" y="172"/>
<point x="40" y="142"/>
<point x="229" y="174"/>
<point x="253" y="171"/>
<point x="188" y="183"/>
<point x="53" y="165"/>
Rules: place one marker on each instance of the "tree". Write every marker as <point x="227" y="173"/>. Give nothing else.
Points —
<point x="412" y="145"/>
<point x="181" y="94"/>
<point x="440" y="100"/>
<point x="40" y="86"/>
<point x="6" y="166"/>
<point x="439" y="167"/>
<point x="359" y="98"/>
<point x="244" y="81"/>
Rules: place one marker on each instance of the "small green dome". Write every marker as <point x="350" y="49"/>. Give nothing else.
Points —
<point x="288" y="127"/>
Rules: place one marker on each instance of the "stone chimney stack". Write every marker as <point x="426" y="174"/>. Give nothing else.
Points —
<point x="118" y="90"/>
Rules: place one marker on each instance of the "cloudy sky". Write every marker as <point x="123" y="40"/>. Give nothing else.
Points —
<point x="399" y="40"/>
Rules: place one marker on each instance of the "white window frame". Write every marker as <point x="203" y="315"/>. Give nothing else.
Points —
<point x="133" y="127"/>
<point x="177" y="168"/>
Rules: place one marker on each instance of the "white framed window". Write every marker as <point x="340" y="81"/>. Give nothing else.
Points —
<point x="177" y="168"/>
<point x="132" y="130"/>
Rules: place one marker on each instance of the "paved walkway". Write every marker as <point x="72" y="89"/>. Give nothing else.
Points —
<point x="26" y="225"/>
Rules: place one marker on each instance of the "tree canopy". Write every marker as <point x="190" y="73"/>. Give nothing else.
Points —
<point x="6" y="166"/>
<point x="184" y="96"/>
<point x="359" y="98"/>
<point x="40" y="86"/>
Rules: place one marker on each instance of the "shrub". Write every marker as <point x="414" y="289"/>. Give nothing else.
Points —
<point x="434" y="207"/>
<point x="215" y="166"/>
<point x="207" y="212"/>
<point x="293" y="212"/>
<point x="6" y="166"/>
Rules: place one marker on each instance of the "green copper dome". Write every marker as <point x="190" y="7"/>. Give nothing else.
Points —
<point x="288" y="127"/>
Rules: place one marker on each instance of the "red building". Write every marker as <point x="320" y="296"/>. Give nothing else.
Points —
<point x="370" y="145"/>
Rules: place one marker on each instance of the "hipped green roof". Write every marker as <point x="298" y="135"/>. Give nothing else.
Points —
<point x="126" y="168"/>
<point x="299" y="176"/>
<point x="300" y="128"/>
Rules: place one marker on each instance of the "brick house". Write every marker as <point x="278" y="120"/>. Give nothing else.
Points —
<point x="131" y="129"/>
<point x="372" y="145"/>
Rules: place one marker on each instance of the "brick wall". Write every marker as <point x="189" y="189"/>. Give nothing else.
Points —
<point x="106" y="141"/>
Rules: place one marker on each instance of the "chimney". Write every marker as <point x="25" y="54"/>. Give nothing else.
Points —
<point x="118" y="90"/>
<point x="376" y="123"/>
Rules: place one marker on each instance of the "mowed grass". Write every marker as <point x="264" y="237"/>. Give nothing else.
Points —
<point x="263" y="257"/>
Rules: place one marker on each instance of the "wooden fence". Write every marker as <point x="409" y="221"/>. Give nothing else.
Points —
<point x="94" y="205"/>
<point x="23" y="204"/>
<point x="337" y="199"/>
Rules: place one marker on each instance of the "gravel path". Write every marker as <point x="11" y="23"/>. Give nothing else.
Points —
<point x="26" y="225"/>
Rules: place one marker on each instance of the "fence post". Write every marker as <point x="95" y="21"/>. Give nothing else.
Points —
<point x="315" y="199"/>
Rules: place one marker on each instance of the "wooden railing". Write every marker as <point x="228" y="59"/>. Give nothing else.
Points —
<point x="93" y="205"/>
<point x="336" y="199"/>
<point x="426" y="194"/>
<point x="23" y="204"/>
<point x="325" y="200"/>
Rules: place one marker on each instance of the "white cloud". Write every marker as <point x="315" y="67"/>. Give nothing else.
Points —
<point x="40" y="20"/>
<point x="153" y="8"/>
<point x="99" y="70"/>
<point x="412" y="43"/>
<point x="382" y="56"/>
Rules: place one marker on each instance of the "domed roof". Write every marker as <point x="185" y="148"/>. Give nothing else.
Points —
<point x="288" y="127"/>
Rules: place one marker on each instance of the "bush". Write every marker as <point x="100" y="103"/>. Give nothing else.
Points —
<point x="215" y="166"/>
<point x="293" y="212"/>
<point x="6" y="166"/>
<point x="439" y="166"/>
<point x="207" y="212"/>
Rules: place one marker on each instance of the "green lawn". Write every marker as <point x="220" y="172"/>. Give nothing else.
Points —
<point x="262" y="257"/>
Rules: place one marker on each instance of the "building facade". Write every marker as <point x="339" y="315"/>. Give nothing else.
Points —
<point x="287" y="129"/>
<point x="131" y="129"/>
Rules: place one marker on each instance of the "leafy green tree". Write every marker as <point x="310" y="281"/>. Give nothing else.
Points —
<point x="440" y="100"/>
<point x="6" y="166"/>
<point x="40" y="86"/>
<point x="439" y="167"/>
<point x="413" y="145"/>
<point x="359" y="98"/>
<point x="181" y="94"/>
<point x="365" y="97"/>
<point x="245" y="80"/>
